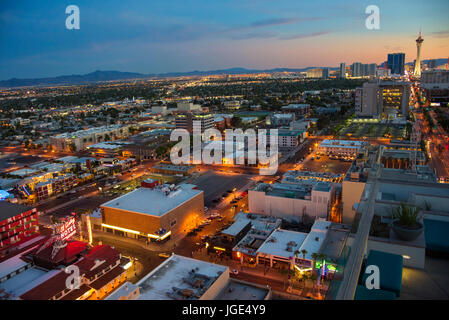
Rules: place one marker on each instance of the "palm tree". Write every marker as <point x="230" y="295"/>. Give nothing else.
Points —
<point x="314" y="257"/>
<point x="296" y="253"/>
<point x="304" y="252"/>
<point x="323" y="257"/>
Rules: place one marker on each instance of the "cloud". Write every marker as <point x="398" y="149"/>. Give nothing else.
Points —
<point x="281" y="21"/>
<point x="440" y="34"/>
<point x="254" y="35"/>
<point x="304" y="35"/>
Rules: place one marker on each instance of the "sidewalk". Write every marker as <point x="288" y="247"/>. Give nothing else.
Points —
<point x="167" y="246"/>
<point x="258" y="271"/>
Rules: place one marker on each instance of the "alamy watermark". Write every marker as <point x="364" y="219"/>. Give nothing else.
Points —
<point x="373" y="280"/>
<point x="240" y="147"/>
<point x="73" y="20"/>
<point x="73" y="281"/>
<point x="372" y="22"/>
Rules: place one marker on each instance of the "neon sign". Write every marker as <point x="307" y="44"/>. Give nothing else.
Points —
<point x="66" y="229"/>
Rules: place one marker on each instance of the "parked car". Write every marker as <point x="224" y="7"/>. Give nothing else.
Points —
<point x="235" y="272"/>
<point x="164" y="255"/>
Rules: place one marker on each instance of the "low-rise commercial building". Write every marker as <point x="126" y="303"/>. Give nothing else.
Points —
<point x="154" y="213"/>
<point x="172" y="169"/>
<point x="282" y="119"/>
<point x="261" y="228"/>
<point x="229" y="237"/>
<point x="341" y="147"/>
<point x="182" y="278"/>
<point x="435" y="85"/>
<point x="97" y="279"/>
<point x="300" y="110"/>
<point x="232" y="105"/>
<point x="292" y="201"/>
<point x="79" y="140"/>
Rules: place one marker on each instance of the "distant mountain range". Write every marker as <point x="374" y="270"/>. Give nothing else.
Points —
<point x="439" y="62"/>
<point x="99" y="76"/>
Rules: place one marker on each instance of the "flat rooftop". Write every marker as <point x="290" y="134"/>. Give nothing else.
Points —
<point x="236" y="290"/>
<point x="25" y="281"/>
<point x="14" y="263"/>
<point x="236" y="227"/>
<point x="9" y="210"/>
<point x="88" y="132"/>
<point x="122" y="291"/>
<point x="341" y="143"/>
<point x="259" y="221"/>
<point x="334" y="243"/>
<point x="175" y="274"/>
<point x="109" y="145"/>
<point x="315" y="238"/>
<point x="261" y="227"/>
<point x="296" y="106"/>
<point x="286" y="190"/>
<point x="298" y="174"/>
<point x="73" y="159"/>
<point x="402" y="175"/>
<point x="155" y="202"/>
<point x="172" y="167"/>
<point x="24" y="172"/>
<point x="283" y="243"/>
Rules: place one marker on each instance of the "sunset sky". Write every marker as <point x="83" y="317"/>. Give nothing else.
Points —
<point x="157" y="36"/>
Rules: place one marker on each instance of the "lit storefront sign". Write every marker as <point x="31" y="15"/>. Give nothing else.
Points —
<point x="149" y="235"/>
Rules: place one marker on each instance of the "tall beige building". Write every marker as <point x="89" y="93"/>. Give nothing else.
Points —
<point x="383" y="99"/>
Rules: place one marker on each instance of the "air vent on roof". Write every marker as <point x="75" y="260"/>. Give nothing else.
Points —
<point x="317" y="239"/>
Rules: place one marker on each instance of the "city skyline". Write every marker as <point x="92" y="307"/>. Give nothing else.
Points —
<point x="240" y="151"/>
<point x="156" y="38"/>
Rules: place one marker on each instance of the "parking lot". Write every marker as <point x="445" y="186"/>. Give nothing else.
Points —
<point x="17" y="160"/>
<point x="373" y="130"/>
<point x="324" y="164"/>
<point x="215" y="184"/>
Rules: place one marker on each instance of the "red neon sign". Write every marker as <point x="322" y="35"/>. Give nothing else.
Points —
<point x="67" y="229"/>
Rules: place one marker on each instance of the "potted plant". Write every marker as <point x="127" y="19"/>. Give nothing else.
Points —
<point x="405" y="222"/>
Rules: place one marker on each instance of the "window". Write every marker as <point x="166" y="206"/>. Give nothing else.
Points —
<point x="172" y="223"/>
